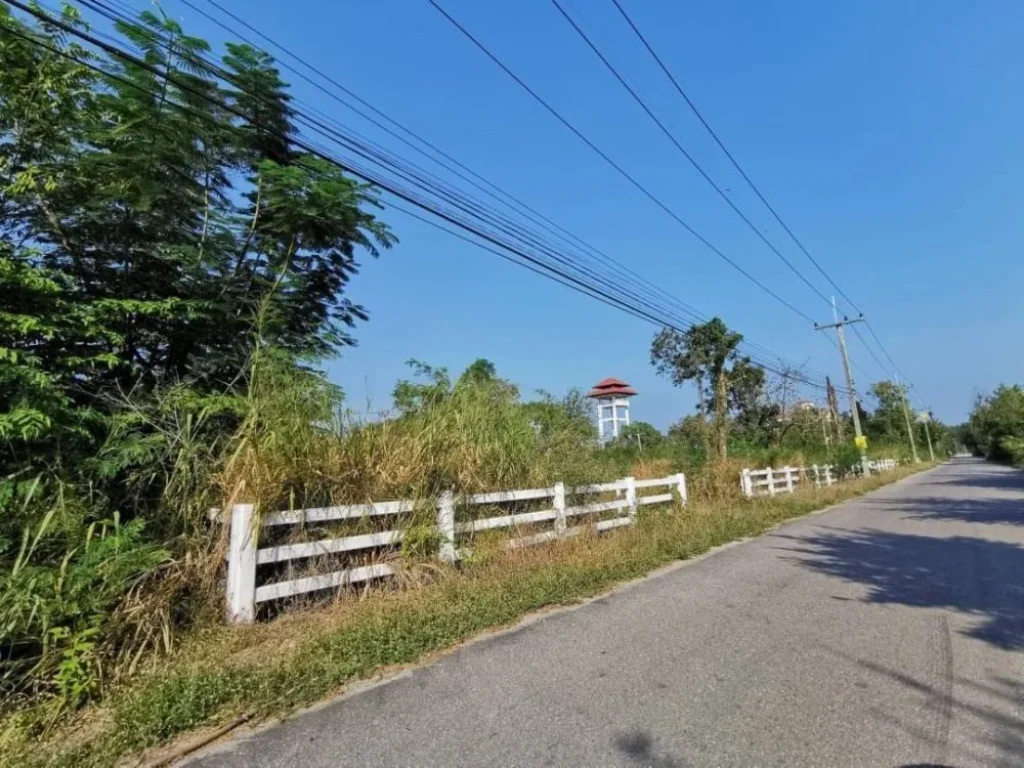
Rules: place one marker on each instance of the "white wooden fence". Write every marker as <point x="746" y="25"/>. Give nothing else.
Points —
<point x="245" y="556"/>
<point x="771" y="481"/>
<point x="883" y="465"/>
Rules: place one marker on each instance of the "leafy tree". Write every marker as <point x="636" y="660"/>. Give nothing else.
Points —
<point x="806" y="428"/>
<point x="160" y="235"/>
<point x="754" y="416"/>
<point x="888" y="422"/>
<point x="640" y="434"/>
<point x="701" y="353"/>
<point x="570" y="416"/>
<point x="147" y="230"/>
<point x="678" y="356"/>
<point x="996" y="424"/>
<point x="482" y="373"/>
<point x="412" y="396"/>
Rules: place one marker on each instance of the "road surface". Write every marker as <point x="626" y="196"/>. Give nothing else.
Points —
<point x="886" y="632"/>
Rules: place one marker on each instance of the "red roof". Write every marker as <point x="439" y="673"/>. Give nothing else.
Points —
<point x="608" y="387"/>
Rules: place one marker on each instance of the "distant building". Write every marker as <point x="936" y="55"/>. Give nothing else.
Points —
<point x="612" y="399"/>
<point x="803" y="405"/>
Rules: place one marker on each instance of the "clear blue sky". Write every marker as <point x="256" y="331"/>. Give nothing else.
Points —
<point x="887" y="133"/>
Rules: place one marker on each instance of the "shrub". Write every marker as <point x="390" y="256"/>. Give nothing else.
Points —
<point x="58" y="625"/>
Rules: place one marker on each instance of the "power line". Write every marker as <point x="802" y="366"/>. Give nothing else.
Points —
<point x="678" y="145"/>
<point x="413" y="174"/>
<point x="604" y="156"/>
<point x="747" y="179"/>
<point x="872" y="352"/>
<point x="462" y="207"/>
<point x="885" y="352"/>
<point x="546" y="223"/>
<point x="349" y="167"/>
<point x="728" y="154"/>
<point x="531" y="213"/>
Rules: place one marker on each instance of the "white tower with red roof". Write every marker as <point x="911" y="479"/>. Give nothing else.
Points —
<point x="612" y="399"/>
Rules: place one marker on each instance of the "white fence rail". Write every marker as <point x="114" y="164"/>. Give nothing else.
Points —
<point x="245" y="555"/>
<point x="771" y="481"/>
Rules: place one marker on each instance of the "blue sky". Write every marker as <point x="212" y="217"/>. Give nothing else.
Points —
<point x="887" y="134"/>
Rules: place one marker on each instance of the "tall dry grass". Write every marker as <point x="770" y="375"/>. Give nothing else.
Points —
<point x="77" y="627"/>
<point x="297" y="447"/>
<point x="271" y="668"/>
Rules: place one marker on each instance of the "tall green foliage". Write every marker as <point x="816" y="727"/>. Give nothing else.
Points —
<point x="147" y="227"/>
<point x="887" y="423"/>
<point x="702" y="354"/>
<point x="996" y="425"/>
<point x="158" y="227"/>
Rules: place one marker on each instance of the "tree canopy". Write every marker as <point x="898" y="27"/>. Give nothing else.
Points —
<point x="152" y="224"/>
<point x="996" y="425"/>
<point x="702" y="354"/>
<point x="170" y="262"/>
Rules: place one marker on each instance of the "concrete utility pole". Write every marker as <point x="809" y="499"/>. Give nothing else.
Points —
<point x="854" y="409"/>
<point x="925" y="418"/>
<point x="906" y="415"/>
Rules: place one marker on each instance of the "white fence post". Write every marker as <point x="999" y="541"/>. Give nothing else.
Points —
<point x="681" y="486"/>
<point x="242" y="565"/>
<point x="446" y="526"/>
<point x="745" y="483"/>
<point x="631" y="497"/>
<point x="789" y="479"/>
<point x="817" y="476"/>
<point x="559" y="506"/>
<point x="771" y="481"/>
<point x="828" y="475"/>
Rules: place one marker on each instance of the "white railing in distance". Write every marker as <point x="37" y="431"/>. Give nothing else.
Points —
<point x="770" y="481"/>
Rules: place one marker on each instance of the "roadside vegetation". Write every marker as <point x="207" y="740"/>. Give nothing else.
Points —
<point x="995" y="429"/>
<point x="265" y="670"/>
<point x="173" y="272"/>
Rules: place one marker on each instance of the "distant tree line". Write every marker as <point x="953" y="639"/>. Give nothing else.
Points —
<point x="737" y="409"/>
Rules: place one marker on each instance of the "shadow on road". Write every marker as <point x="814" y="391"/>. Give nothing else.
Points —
<point x="974" y="473"/>
<point x="999" y="511"/>
<point x="637" y="746"/>
<point x="974" y="576"/>
<point x="1000" y="499"/>
<point x="990" y="704"/>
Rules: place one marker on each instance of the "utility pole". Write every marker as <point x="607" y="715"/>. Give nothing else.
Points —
<point x="906" y="415"/>
<point x="925" y="418"/>
<point x="839" y="325"/>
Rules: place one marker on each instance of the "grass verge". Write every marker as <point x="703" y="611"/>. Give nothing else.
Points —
<point x="272" y="668"/>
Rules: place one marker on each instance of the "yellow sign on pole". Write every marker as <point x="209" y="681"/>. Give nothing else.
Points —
<point x="861" y="442"/>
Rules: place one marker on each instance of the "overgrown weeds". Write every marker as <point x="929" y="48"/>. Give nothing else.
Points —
<point x="271" y="668"/>
<point x="102" y="569"/>
<point x="114" y="571"/>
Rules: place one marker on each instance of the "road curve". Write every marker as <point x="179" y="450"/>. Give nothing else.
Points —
<point x="886" y="632"/>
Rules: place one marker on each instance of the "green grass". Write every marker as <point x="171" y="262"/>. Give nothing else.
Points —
<point x="275" y="667"/>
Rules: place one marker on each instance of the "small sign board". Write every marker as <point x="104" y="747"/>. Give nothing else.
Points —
<point x="861" y="442"/>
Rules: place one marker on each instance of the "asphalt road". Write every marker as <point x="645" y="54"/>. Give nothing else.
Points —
<point x="886" y="632"/>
